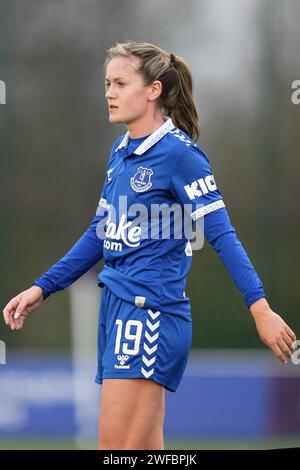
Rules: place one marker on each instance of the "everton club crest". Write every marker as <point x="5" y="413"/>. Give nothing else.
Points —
<point x="140" y="182"/>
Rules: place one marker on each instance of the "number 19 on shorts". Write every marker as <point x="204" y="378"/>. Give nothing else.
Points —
<point x="132" y="331"/>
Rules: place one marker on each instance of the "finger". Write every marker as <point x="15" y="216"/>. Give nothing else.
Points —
<point x="290" y="333"/>
<point x="32" y="307"/>
<point x="285" y="348"/>
<point x="17" y="324"/>
<point x="20" y="309"/>
<point x="289" y="342"/>
<point x="277" y="351"/>
<point x="9" y="310"/>
<point x="20" y="323"/>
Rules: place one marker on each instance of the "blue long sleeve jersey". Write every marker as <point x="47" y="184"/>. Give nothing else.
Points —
<point x="163" y="170"/>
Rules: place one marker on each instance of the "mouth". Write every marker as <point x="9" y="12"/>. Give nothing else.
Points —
<point x="112" y="107"/>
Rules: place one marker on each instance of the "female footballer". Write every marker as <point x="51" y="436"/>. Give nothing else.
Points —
<point x="145" y="326"/>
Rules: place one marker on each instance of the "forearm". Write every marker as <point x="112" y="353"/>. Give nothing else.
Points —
<point x="86" y="252"/>
<point x="222" y="237"/>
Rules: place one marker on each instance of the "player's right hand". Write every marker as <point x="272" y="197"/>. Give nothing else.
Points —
<point x="20" y="306"/>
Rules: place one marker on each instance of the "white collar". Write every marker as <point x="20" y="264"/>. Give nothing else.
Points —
<point x="152" y="139"/>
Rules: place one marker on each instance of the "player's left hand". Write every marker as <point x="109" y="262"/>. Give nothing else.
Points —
<point x="273" y="331"/>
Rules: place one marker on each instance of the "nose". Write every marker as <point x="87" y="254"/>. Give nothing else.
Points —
<point x="110" y="93"/>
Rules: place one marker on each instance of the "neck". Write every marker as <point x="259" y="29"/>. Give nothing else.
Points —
<point x="144" y="126"/>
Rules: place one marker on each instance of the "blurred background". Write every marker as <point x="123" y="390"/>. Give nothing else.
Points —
<point x="54" y="143"/>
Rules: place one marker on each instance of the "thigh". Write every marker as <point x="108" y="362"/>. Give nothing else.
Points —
<point x="130" y="410"/>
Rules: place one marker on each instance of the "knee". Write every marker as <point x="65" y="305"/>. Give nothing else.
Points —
<point x="155" y="439"/>
<point x="133" y="440"/>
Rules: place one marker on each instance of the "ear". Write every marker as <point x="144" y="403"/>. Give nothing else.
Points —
<point x="155" y="90"/>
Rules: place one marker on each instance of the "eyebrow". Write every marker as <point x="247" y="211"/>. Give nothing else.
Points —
<point x="114" y="79"/>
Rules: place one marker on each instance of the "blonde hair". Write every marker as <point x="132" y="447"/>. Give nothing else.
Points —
<point x="176" y="99"/>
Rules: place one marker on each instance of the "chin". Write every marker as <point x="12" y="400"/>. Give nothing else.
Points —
<point x="115" y="119"/>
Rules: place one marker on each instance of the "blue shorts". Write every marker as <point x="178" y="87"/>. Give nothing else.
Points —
<point x="141" y="343"/>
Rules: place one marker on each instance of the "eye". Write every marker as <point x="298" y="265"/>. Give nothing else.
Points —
<point x="121" y="84"/>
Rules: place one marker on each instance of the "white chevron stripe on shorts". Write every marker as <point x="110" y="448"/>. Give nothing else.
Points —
<point x="149" y="362"/>
<point x="150" y="350"/>
<point x="152" y="327"/>
<point x="153" y="315"/>
<point x="152" y="338"/>
<point x="147" y="374"/>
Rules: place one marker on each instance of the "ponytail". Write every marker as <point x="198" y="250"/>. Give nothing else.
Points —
<point x="179" y="101"/>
